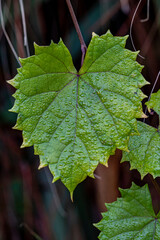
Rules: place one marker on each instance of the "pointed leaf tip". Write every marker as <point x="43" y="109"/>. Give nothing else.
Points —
<point x="71" y="195"/>
<point x="109" y="33"/>
<point x="144" y="116"/>
<point x="42" y="166"/>
<point x="35" y="45"/>
<point x="94" y="34"/>
<point x="9" y="82"/>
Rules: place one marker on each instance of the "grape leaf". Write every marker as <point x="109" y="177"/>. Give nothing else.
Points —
<point x="130" y="217"/>
<point x="144" y="151"/>
<point x="76" y="120"/>
<point x="154" y="102"/>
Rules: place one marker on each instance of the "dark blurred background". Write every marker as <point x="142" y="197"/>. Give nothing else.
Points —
<point x="31" y="207"/>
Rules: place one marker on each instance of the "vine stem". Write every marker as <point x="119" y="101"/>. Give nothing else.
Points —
<point x="6" y="35"/>
<point x="74" y="19"/>
<point x="35" y="235"/>
<point x="24" y="27"/>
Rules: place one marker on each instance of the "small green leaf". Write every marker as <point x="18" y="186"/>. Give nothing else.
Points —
<point x="76" y="120"/>
<point x="154" y="102"/>
<point x="144" y="151"/>
<point x="130" y="217"/>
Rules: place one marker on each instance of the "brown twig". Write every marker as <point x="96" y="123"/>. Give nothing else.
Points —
<point x="74" y="19"/>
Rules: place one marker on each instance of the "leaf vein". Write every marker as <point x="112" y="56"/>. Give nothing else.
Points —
<point x="50" y="105"/>
<point x="102" y="55"/>
<point x="103" y="105"/>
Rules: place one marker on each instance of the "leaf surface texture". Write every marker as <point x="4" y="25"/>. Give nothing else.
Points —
<point x="130" y="217"/>
<point x="144" y="151"/>
<point x="76" y="120"/>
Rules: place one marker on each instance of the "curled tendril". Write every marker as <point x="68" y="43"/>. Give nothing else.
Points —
<point x="143" y="20"/>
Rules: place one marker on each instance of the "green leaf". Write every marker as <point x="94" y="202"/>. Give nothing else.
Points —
<point x="130" y="217"/>
<point x="144" y="151"/>
<point x="154" y="102"/>
<point x="76" y="120"/>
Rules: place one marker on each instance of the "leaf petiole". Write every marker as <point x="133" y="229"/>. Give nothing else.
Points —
<point x="81" y="39"/>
